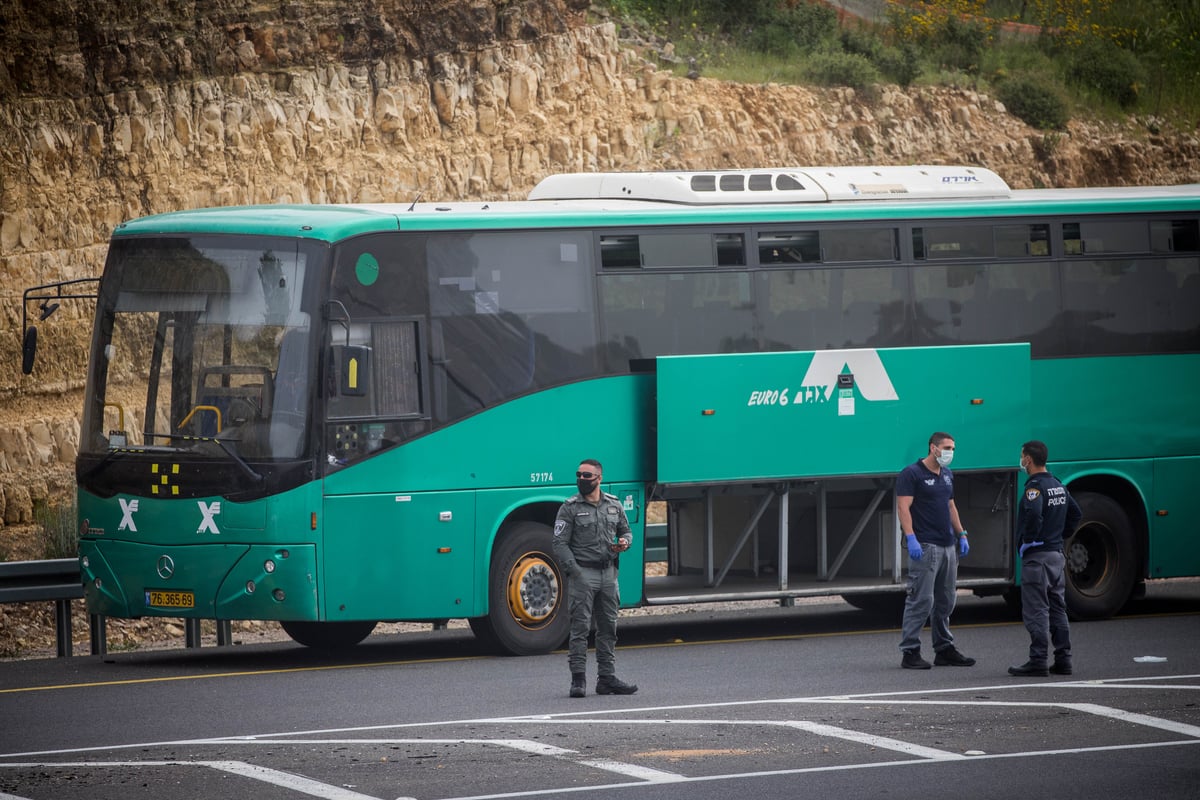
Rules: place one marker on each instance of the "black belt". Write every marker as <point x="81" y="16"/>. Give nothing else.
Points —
<point x="583" y="562"/>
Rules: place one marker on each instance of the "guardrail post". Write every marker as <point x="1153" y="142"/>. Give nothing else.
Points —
<point x="99" y="632"/>
<point x="191" y="628"/>
<point x="62" y="627"/>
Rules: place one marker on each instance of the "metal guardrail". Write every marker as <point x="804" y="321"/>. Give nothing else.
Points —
<point x="57" y="580"/>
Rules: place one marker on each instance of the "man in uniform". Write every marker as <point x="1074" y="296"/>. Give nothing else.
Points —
<point x="935" y="539"/>
<point x="589" y="533"/>
<point x="1048" y="514"/>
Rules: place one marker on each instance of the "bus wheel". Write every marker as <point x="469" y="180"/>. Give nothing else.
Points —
<point x="328" y="635"/>
<point x="1100" y="559"/>
<point x="526" y="595"/>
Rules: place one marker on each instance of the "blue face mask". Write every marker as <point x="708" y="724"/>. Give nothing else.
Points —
<point x="945" y="457"/>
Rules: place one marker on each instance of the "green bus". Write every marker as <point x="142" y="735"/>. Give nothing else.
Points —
<point x="332" y="416"/>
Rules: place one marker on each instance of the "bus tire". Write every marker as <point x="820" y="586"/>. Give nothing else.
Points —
<point x="527" y="603"/>
<point x="327" y="635"/>
<point x="1101" y="559"/>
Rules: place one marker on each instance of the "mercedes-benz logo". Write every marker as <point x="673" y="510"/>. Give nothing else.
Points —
<point x="165" y="567"/>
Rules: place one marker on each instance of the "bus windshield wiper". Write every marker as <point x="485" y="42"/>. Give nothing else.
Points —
<point x="223" y="444"/>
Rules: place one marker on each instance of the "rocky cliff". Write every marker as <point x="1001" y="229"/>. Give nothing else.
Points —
<point x="115" y="110"/>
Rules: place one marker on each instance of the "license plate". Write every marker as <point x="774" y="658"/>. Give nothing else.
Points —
<point x="171" y="599"/>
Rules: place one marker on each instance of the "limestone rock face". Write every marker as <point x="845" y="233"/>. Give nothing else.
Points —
<point x="110" y="111"/>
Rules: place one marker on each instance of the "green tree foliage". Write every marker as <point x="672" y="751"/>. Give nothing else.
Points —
<point x="1035" y="102"/>
<point x="1114" y="73"/>
<point x="1098" y="54"/>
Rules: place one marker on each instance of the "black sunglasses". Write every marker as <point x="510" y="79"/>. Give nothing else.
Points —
<point x="587" y="476"/>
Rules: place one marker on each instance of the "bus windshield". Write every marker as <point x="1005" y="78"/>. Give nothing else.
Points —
<point x="202" y="345"/>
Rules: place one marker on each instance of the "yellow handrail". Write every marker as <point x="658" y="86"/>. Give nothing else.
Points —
<point x="192" y="413"/>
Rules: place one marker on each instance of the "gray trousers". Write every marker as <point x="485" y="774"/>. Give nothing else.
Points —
<point x="1044" y="606"/>
<point x="594" y="595"/>
<point x="932" y="591"/>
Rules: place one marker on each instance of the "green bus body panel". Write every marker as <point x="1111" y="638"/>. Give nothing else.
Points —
<point x="533" y="441"/>
<point x="725" y="418"/>
<point x="217" y="574"/>
<point x="332" y="223"/>
<point x="381" y="556"/>
<point x="216" y="562"/>
<point x="1135" y="406"/>
<point x="1174" y="551"/>
<point x="399" y="554"/>
<point x="323" y="222"/>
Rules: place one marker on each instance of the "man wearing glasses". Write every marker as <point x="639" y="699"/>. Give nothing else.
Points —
<point x="589" y="533"/>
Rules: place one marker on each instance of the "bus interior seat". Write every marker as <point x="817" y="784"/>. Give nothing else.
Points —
<point x="238" y="403"/>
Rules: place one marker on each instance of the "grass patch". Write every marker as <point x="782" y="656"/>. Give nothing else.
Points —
<point x="1099" y="58"/>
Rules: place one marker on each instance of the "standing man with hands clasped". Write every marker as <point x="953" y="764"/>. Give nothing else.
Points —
<point x="590" y="532"/>
<point x="935" y="540"/>
<point x="1048" y="514"/>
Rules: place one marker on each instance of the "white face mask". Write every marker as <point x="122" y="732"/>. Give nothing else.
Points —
<point x="1021" y="466"/>
<point x="945" y="457"/>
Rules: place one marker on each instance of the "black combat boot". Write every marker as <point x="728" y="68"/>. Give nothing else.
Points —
<point x="611" y="684"/>
<point x="577" y="684"/>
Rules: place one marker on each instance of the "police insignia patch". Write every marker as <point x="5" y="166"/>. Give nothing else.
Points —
<point x="559" y="525"/>
<point x="1032" y="494"/>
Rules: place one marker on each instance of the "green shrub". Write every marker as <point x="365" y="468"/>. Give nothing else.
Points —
<point x="1114" y="73"/>
<point x="841" y="69"/>
<point x="786" y="31"/>
<point x="1038" y="104"/>
<point x="902" y="64"/>
<point x="58" y="535"/>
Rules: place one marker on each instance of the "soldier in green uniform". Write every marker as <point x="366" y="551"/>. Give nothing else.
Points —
<point x="589" y="533"/>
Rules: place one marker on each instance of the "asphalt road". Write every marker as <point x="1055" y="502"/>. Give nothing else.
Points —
<point x="806" y="701"/>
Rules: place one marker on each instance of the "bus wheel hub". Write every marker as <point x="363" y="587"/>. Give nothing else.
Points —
<point x="1077" y="557"/>
<point x="532" y="590"/>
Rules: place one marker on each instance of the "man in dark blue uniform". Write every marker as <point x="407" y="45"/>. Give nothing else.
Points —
<point x="1048" y="514"/>
<point x="935" y="539"/>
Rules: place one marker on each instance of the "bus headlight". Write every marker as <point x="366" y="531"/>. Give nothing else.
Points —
<point x="249" y="587"/>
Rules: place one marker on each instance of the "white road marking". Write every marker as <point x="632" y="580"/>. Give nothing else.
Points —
<point x="882" y="742"/>
<point x="811" y="770"/>
<point x="646" y="775"/>
<point x="524" y="745"/>
<point x="285" y="780"/>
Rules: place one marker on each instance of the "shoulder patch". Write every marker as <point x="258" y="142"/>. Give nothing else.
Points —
<point x="559" y="527"/>
<point x="1032" y="494"/>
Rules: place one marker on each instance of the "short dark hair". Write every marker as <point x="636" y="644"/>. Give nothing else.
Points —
<point x="1037" y="451"/>
<point x="939" y="437"/>
<point x="599" y="467"/>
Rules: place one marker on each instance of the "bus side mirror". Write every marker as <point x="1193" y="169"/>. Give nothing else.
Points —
<point x="28" y="349"/>
<point x="354" y="364"/>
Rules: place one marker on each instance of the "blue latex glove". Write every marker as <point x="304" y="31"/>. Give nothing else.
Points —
<point x="1026" y="545"/>
<point x="963" y="547"/>
<point x="914" y="547"/>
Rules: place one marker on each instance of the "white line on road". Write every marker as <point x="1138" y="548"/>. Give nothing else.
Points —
<point x="524" y="745"/>
<point x="276" y="777"/>
<point x="811" y="770"/>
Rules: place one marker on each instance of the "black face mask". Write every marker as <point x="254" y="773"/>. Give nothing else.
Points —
<point x="586" y="486"/>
